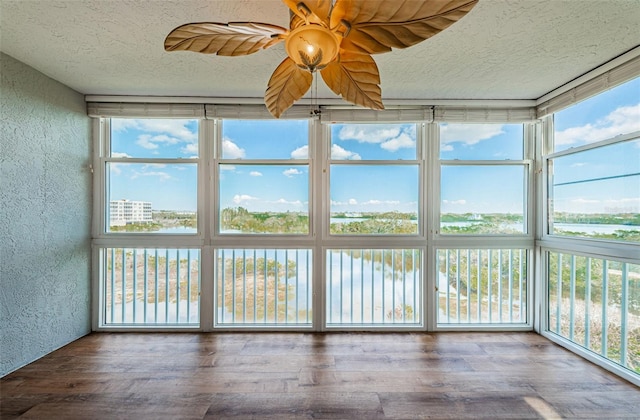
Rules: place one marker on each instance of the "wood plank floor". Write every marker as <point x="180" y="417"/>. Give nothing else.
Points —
<point x="291" y="375"/>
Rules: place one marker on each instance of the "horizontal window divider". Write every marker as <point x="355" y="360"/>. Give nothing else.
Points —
<point x="151" y="160"/>
<point x="483" y="327"/>
<point x="483" y="242"/>
<point x="249" y="162"/>
<point x="456" y="162"/>
<point x="594" y="145"/>
<point x="390" y="328"/>
<point x="261" y="328"/>
<point x="150" y="328"/>
<point x="625" y="252"/>
<point x="373" y="243"/>
<point x="148" y="241"/>
<point x="375" y="162"/>
<point x="262" y="243"/>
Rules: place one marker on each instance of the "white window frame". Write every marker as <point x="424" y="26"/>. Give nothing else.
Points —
<point x="319" y="240"/>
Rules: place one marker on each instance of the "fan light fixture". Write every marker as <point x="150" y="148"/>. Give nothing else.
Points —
<point x="334" y="37"/>
<point x="312" y="47"/>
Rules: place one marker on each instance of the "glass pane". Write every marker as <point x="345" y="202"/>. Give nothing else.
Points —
<point x="595" y="303"/>
<point x="482" y="200"/>
<point x="481" y="141"/>
<point x="596" y="193"/>
<point x="152" y="198"/>
<point x="265" y="139"/>
<point x="373" y="142"/>
<point x="604" y="116"/>
<point x="482" y="286"/>
<point x="151" y="286"/>
<point x="379" y="200"/>
<point x="264" y="199"/>
<point x="264" y="286"/>
<point x="374" y="287"/>
<point x="154" y="138"/>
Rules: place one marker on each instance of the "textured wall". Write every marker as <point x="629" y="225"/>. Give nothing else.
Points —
<point x="45" y="215"/>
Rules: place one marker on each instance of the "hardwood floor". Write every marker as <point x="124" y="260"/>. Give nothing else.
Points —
<point x="291" y="375"/>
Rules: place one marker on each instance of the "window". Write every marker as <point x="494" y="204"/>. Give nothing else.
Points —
<point x="263" y="175"/>
<point x="604" y="116"/>
<point x="595" y="193"/>
<point x="151" y="173"/>
<point x="592" y="165"/>
<point x="483" y="179"/>
<point x="375" y="177"/>
<point x="225" y="223"/>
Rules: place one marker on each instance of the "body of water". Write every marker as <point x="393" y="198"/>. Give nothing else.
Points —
<point x="592" y="228"/>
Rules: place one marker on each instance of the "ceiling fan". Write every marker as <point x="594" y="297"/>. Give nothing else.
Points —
<point x="335" y="37"/>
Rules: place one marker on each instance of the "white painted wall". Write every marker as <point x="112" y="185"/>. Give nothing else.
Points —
<point x="45" y="215"/>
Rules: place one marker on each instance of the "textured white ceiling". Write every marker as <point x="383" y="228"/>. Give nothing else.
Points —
<point x="503" y="49"/>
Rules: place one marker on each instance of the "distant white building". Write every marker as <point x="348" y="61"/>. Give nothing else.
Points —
<point x="122" y="212"/>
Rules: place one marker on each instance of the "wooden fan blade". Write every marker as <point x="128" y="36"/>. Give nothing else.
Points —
<point x="356" y="78"/>
<point x="320" y="10"/>
<point x="288" y="83"/>
<point x="230" y="39"/>
<point x="376" y="26"/>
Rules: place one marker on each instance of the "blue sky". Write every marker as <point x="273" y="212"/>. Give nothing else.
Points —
<point x="364" y="187"/>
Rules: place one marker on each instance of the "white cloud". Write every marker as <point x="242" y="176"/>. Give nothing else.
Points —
<point x="144" y="141"/>
<point x="191" y="148"/>
<point x="119" y="155"/>
<point x="468" y="133"/>
<point x="170" y="127"/>
<point x="227" y="168"/>
<point x="296" y="203"/>
<point x="455" y="202"/>
<point x="159" y="174"/>
<point x="352" y="201"/>
<point x="291" y="172"/>
<point x="402" y="141"/>
<point x="338" y="153"/>
<point x="379" y="202"/>
<point x="243" y="198"/>
<point x="115" y="168"/>
<point x="230" y="150"/>
<point x="578" y="164"/>
<point x="153" y="165"/>
<point x="584" y="201"/>
<point x="153" y="142"/>
<point x="365" y="133"/>
<point x="300" y="153"/>
<point x="255" y="173"/>
<point x="594" y="205"/>
<point x="446" y="148"/>
<point x="622" y="120"/>
<point x="390" y="138"/>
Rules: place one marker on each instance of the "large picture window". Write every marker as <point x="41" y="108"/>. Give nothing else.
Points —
<point x="151" y="172"/>
<point x="592" y="163"/>
<point x="238" y="223"/>
<point x="483" y="179"/>
<point x="263" y="177"/>
<point x="598" y="198"/>
<point x="374" y="179"/>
